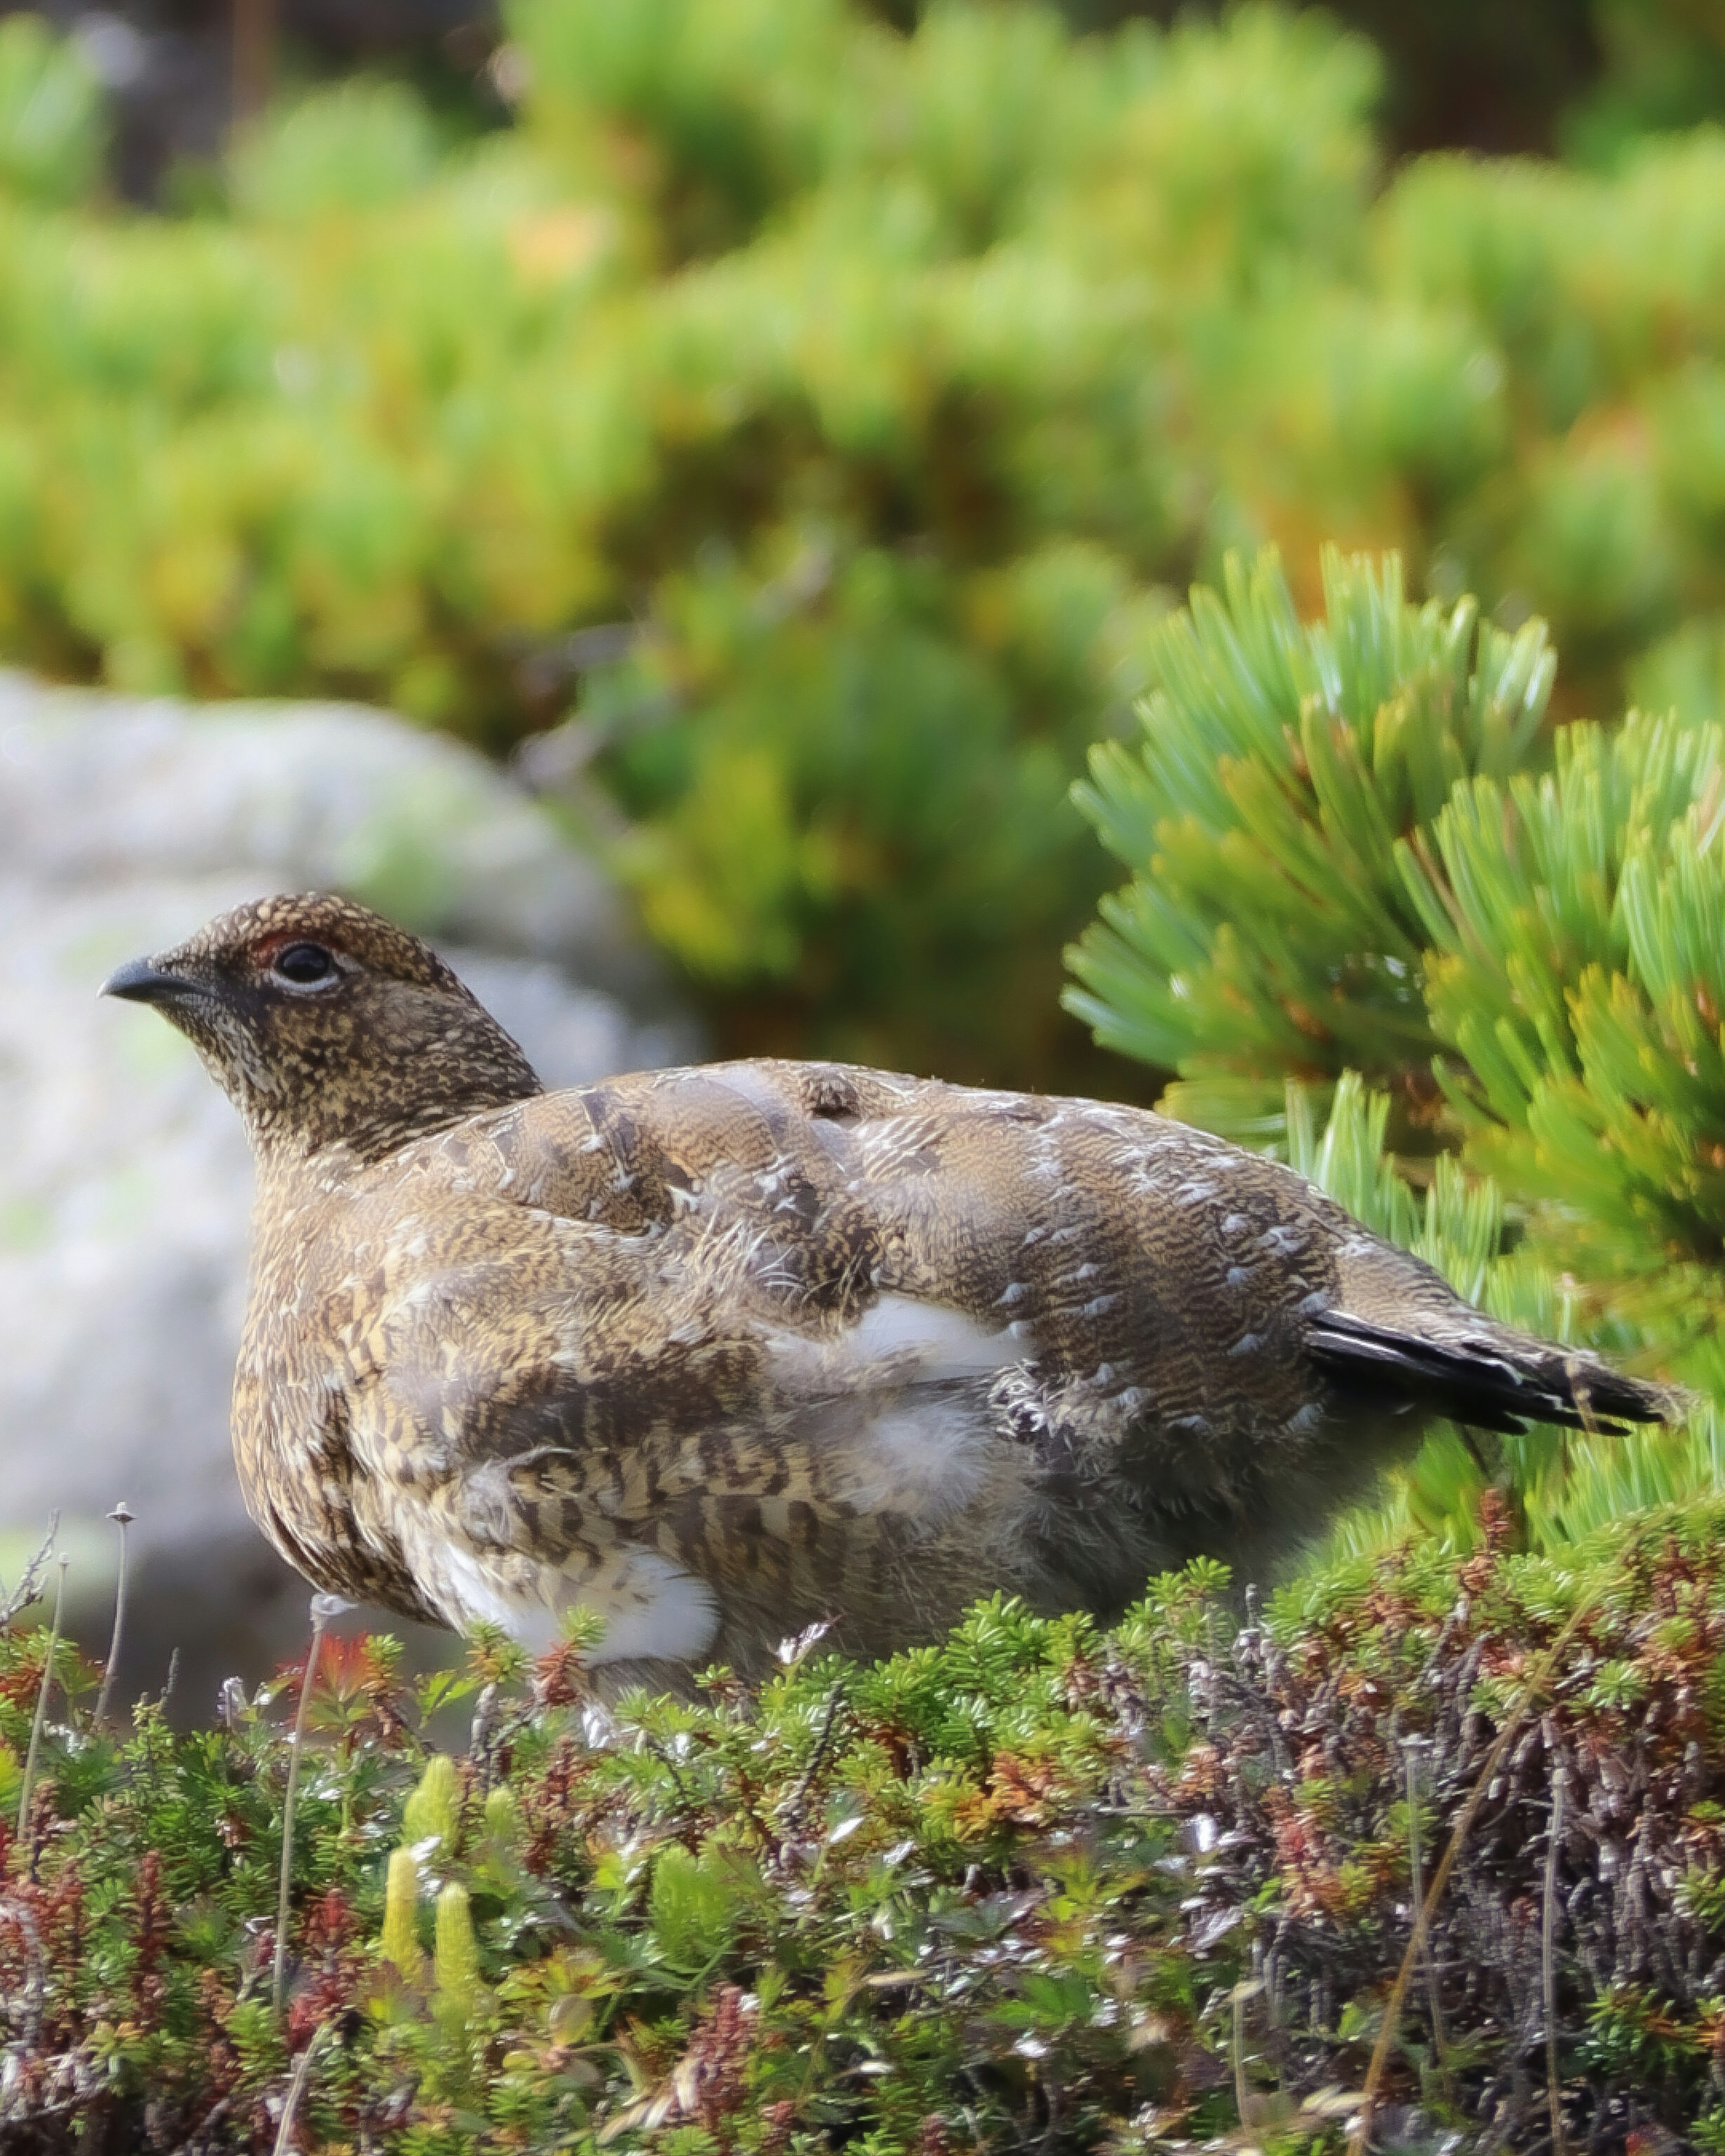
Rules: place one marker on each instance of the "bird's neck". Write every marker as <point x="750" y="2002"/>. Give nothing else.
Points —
<point x="367" y="1108"/>
<point x="368" y="1139"/>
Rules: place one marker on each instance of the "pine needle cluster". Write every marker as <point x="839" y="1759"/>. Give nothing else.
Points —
<point x="1373" y="894"/>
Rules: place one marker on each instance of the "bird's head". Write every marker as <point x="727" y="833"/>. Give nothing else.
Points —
<point x="326" y="1026"/>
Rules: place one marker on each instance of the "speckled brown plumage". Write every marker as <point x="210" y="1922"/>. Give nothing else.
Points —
<point x="715" y="1351"/>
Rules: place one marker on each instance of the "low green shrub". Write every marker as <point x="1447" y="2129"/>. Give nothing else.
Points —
<point x="1033" y="1887"/>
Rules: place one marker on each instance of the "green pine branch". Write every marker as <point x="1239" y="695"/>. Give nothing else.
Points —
<point x="1361" y="913"/>
<point x="1269" y="929"/>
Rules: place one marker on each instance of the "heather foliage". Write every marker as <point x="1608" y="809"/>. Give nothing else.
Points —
<point x="824" y="414"/>
<point x="1038" y="1887"/>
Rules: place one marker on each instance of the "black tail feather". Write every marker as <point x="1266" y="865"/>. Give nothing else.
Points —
<point x="1489" y="1379"/>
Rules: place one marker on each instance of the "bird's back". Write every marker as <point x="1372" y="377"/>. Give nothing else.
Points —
<point x="740" y="1346"/>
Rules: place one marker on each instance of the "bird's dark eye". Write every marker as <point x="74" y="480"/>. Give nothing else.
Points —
<point x="303" y="964"/>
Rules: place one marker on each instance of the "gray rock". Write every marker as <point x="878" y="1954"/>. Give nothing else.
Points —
<point x="125" y="1182"/>
<point x="104" y="790"/>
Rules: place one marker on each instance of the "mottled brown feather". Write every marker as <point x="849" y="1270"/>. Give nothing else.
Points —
<point x="716" y="1351"/>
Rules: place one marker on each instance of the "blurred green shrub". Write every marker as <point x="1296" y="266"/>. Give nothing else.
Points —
<point x="53" y="135"/>
<point x="359" y="146"/>
<point x="1664" y="68"/>
<point x="867" y="391"/>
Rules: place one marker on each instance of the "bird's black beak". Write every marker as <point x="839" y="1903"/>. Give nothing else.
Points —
<point x="142" y="981"/>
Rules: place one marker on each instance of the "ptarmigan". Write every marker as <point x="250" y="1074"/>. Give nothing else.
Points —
<point x="717" y="1352"/>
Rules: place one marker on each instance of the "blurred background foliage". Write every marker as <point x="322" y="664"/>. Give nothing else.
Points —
<point x="791" y="421"/>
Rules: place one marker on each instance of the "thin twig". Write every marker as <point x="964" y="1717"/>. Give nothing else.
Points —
<point x="658" y="1751"/>
<point x="1242" y="2093"/>
<point x="1549" y="1961"/>
<point x="296" y="2089"/>
<point x="817" y="1758"/>
<point x="43" y="1689"/>
<point x="29" y="1580"/>
<point x="33" y="1993"/>
<point x="479" y="1737"/>
<point x="321" y="1615"/>
<point x="254" y="58"/>
<point x="122" y="1516"/>
<point x="1357" y="2139"/>
<point x="1411" y="1748"/>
